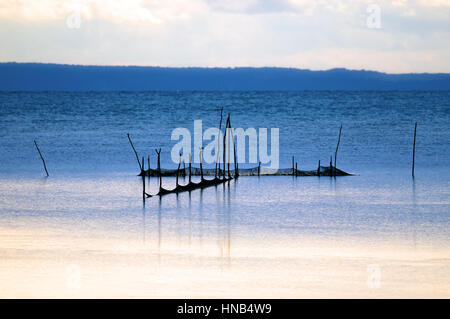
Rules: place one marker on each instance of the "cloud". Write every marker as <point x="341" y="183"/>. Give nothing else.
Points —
<point x="314" y="34"/>
<point x="434" y="3"/>
<point x="118" y="11"/>
<point x="253" y="6"/>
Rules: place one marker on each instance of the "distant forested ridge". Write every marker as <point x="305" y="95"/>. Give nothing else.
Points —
<point x="63" y="77"/>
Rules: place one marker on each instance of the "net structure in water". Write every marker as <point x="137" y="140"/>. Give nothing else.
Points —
<point x="255" y="171"/>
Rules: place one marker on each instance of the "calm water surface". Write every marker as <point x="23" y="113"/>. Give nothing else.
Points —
<point x="255" y="237"/>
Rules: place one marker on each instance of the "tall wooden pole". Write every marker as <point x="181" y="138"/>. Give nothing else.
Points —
<point x="143" y="189"/>
<point x="178" y="170"/>
<point x="414" y="149"/>
<point x="331" y="165"/>
<point x="318" y="169"/>
<point x="236" y="165"/>
<point x="190" y="165"/>
<point x="218" y="142"/>
<point x="159" y="168"/>
<point x="229" y="141"/>
<point x="135" y="153"/>
<point x="337" y="147"/>
<point x="201" y="165"/>
<point x="42" y="158"/>
<point x="224" y="140"/>
<point x="293" y="166"/>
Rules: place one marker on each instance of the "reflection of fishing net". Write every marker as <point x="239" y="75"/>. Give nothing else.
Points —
<point x="263" y="171"/>
<point x="220" y="177"/>
<point x="189" y="186"/>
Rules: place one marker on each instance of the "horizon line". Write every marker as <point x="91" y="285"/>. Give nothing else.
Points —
<point x="220" y="67"/>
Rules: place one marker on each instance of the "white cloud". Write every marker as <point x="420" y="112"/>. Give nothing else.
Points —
<point x="116" y="11"/>
<point x="434" y="3"/>
<point x="314" y="34"/>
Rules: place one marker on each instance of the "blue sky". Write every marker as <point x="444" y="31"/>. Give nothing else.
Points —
<point x="391" y="36"/>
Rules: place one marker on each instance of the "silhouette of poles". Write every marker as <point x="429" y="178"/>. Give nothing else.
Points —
<point x="190" y="165"/>
<point x="178" y="171"/>
<point x="218" y="142"/>
<point x="236" y="166"/>
<point x="293" y="166"/>
<point x="42" y="158"/>
<point x="224" y="140"/>
<point x="337" y="147"/>
<point x="228" y="128"/>
<point x="201" y="165"/>
<point x="159" y="168"/>
<point x="318" y="169"/>
<point x="135" y="153"/>
<point x="331" y="165"/>
<point x="414" y="149"/>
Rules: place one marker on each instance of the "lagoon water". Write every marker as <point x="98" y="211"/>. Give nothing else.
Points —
<point x="85" y="231"/>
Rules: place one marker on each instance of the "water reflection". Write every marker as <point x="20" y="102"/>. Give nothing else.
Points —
<point x="44" y="180"/>
<point x="177" y="219"/>
<point x="159" y="223"/>
<point x="414" y="212"/>
<point x="193" y="221"/>
<point x="228" y="224"/>
<point x="200" y="211"/>
<point x="198" y="223"/>
<point x="143" y="223"/>
<point x="190" y="218"/>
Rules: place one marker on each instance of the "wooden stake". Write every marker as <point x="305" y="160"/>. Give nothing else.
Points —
<point x="292" y="165"/>
<point x="190" y="168"/>
<point x="201" y="165"/>
<point x="218" y="142"/>
<point x="296" y="169"/>
<point x="229" y="141"/>
<point x="318" y="169"/>
<point x="331" y="165"/>
<point x="42" y="158"/>
<point x="236" y="168"/>
<point x="159" y="168"/>
<point x="224" y="140"/>
<point x="236" y="171"/>
<point x="259" y="168"/>
<point x="337" y="147"/>
<point x="414" y="149"/>
<point x="178" y="170"/>
<point x="135" y="153"/>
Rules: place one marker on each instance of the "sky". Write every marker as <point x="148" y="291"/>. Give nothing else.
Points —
<point x="397" y="36"/>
